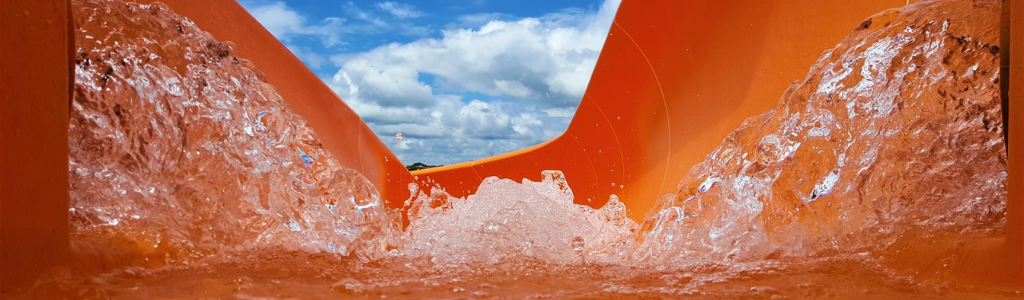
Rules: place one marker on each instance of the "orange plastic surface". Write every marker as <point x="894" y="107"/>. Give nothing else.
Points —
<point x="675" y="77"/>
<point x="34" y="91"/>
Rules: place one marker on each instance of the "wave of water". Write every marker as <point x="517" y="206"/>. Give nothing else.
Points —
<point x="896" y="129"/>
<point x="180" y="145"/>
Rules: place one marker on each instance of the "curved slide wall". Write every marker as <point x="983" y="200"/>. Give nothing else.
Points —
<point x="675" y="77"/>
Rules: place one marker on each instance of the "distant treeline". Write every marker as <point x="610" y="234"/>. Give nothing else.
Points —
<point x="420" y="166"/>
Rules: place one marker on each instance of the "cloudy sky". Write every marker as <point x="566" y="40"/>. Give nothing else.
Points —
<point x="459" y="79"/>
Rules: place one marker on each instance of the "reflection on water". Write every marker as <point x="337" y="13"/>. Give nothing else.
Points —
<point x="183" y="152"/>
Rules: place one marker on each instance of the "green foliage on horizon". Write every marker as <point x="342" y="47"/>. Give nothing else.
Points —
<point x="420" y="166"/>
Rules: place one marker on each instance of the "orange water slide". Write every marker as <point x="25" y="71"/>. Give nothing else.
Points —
<point x="673" y="79"/>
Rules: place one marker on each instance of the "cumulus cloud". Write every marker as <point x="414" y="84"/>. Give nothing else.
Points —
<point x="314" y="39"/>
<point x="387" y="88"/>
<point x="531" y="72"/>
<point x="489" y="83"/>
<point x="549" y="58"/>
<point x="456" y="129"/>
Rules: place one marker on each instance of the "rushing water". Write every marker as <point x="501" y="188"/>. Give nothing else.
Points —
<point x="194" y="172"/>
<point x="182" y="146"/>
<point x="896" y="128"/>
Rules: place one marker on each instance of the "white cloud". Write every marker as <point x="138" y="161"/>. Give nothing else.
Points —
<point x="479" y="19"/>
<point x="542" y="59"/>
<point x="453" y="129"/>
<point x="533" y="70"/>
<point x="297" y="31"/>
<point x="286" y="24"/>
<point x="360" y="14"/>
<point x="393" y="86"/>
<point x="377" y="24"/>
<point x="522" y="125"/>
<point x="562" y="112"/>
<point x="279" y="19"/>
<point x="545" y="61"/>
<point x="400" y="10"/>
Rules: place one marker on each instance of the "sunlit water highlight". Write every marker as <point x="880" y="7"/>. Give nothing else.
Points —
<point x="191" y="169"/>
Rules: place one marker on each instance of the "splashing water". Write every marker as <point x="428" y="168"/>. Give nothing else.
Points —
<point x="181" y="147"/>
<point x="508" y="220"/>
<point x="897" y="128"/>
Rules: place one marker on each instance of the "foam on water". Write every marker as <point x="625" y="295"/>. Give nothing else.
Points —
<point x="508" y="220"/>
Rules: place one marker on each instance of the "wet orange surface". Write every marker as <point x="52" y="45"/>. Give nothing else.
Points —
<point x="305" y="276"/>
<point x="34" y="90"/>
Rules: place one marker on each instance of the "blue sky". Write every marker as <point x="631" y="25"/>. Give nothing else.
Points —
<point x="460" y="79"/>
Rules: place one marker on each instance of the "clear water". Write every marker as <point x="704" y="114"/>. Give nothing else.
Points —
<point x="182" y="146"/>
<point x="191" y="178"/>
